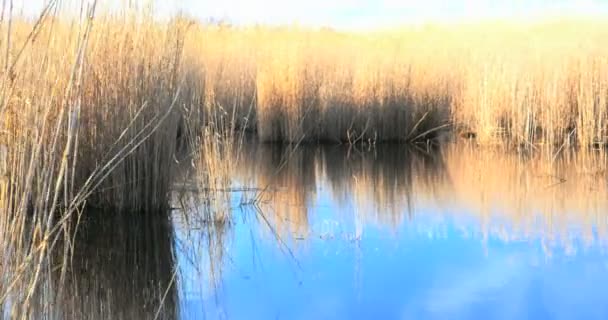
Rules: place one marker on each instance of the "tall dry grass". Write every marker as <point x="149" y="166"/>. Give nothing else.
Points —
<point x="299" y="85"/>
<point x="96" y="105"/>
<point x="527" y="83"/>
<point x="91" y="110"/>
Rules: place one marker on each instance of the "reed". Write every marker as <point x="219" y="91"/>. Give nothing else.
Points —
<point x="525" y="83"/>
<point x="103" y="128"/>
<point x="90" y="111"/>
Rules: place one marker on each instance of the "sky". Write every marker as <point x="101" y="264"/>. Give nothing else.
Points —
<point x="358" y="13"/>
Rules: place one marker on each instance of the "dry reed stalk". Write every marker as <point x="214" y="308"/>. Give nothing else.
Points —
<point x="528" y="83"/>
<point x="99" y="131"/>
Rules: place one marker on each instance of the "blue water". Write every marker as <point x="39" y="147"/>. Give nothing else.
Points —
<point x="440" y="262"/>
<point x="337" y="233"/>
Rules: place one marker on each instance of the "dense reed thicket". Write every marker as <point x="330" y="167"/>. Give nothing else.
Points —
<point x="541" y="82"/>
<point x="92" y="109"/>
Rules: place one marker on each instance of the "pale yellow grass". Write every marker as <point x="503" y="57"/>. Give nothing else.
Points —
<point x="525" y="83"/>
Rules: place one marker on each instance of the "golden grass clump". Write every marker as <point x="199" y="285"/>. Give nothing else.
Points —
<point x="91" y="108"/>
<point x="108" y="99"/>
<point x="301" y="85"/>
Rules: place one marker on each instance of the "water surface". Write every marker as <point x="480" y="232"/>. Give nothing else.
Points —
<point x="383" y="232"/>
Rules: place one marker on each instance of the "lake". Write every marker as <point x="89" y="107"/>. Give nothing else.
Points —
<point x="375" y="232"/>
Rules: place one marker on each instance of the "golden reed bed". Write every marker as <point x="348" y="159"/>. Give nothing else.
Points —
<point x="94" y="108"/>
<point x="542" y="82"/>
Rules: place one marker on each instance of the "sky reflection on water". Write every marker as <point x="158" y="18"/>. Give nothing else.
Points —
<point x="390" y="235"/>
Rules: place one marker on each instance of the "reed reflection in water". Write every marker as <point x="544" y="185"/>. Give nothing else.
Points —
<point x="511" y="195"/>
<point x="392" y="232"/>
<point x="343" y="232"/>
<point x="122" y="267"/>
